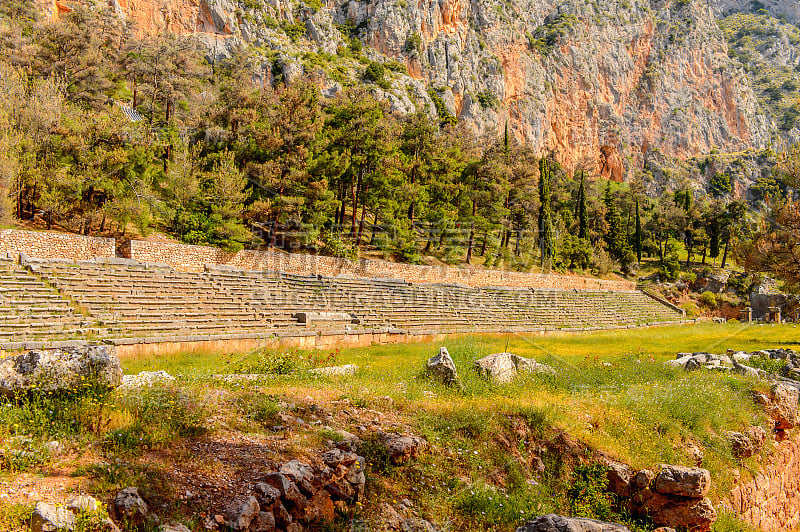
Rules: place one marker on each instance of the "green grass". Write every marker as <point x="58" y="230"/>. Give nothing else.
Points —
<point x="611" y="389"/>
<point x="498" y="453"/>
<point x="403" y="360"/>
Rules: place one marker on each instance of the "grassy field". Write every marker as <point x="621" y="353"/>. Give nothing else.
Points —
<point x="498" y="453"/>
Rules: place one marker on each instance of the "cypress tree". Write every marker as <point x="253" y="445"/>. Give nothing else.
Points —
<point x="582" y="221"/>
<point x="616" y="239"/>
<point x="638" y="234"/>
<point x="546" y="243"/>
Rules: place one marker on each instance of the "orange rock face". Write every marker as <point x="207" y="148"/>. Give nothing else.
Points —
<point x="599" y="89"/>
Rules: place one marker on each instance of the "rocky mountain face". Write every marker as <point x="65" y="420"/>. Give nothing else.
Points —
<point x="619" y="87"/>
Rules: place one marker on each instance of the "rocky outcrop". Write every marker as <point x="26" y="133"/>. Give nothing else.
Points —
<point x="788" y="8"/>
<point x="783" y="406"/>
<point x="129" y="508"/>
<point x="50" y="518"/>
<point x="300" y="495"/>
<point x="622" y="86"/>
<point x="558" y="523"/>
<point x="60" y="370"/>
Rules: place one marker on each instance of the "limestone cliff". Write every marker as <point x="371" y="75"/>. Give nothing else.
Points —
<point x="615" y="85"/>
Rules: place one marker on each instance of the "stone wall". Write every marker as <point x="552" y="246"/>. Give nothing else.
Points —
<point x="52" y="245"/>
<point x="771" y="500"/>
<point x="194" y="258"/>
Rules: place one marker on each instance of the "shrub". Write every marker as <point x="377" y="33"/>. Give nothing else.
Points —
<point x="767" y="364"/>
<point x="375" y="453"/>
<point x="587" y="493"/>
<point x="691" y="309"/>
<point x="263" y="409"/>
<point x="266" y="362"/>
<point x="487" y="100"/>
<point x="334" y="245"/>
<point x="395" y="66"/>
<point x="355" y="45"/>
<point x="293" y="30"/>
<point x="708" y="299"/>
<point x="376" y="73"/>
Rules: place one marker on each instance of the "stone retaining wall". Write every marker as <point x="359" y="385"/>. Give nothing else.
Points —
<point x="771" y="501"/>
<point x="52" y="245"/>
<point x="194" y="258"/>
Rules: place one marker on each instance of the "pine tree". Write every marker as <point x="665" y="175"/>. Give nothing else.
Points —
<point x="546" y="243"/>
<point x="582" y="221"/>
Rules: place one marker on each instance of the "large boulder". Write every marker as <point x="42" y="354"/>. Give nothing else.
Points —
<point x="619" y="476"/>
<point x="442" y="368"/>
<point x="503" y="367"/>
<point x="66" y="369"/>
<point x="684" y="481"/>
<point x="241" y="512"/>
<point x="402" y="447"/>
<point x="741" y="445"/>
<point x="50" y="518"/>
<point x="558" y="523"/>
<point x="499" y="367"/>
<point x="783" y="407"/>
<point x="129" y="508"/>
<point x="676" y="512"/>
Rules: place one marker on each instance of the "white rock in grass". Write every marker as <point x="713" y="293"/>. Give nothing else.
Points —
<point x="60" y="369"/>
<point x="442" y="368"/>
<point x="81" y="504"/>
<point x="347" y="370"/>
<point x="145" y="379"/>
<point x="50" y="518"/>
<point x="678" y="362"/>
<point x="499" y="367"/>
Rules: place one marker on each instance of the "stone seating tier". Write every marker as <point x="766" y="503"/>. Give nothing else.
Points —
<point x="59" y="299"/>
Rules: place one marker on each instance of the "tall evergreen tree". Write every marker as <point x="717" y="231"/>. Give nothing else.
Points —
<point x="637" y="236"/>
<point x="616" y="237"/>
<point x="582" y="221"/>
<point x="546" y="238"/>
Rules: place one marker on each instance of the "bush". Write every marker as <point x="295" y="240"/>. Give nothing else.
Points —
<point x="691" y="309"/>
<point x="587" y="493"/>
<point x="293" y="30"/>
<point x="708" y="299"/>
<point x="670" y="265"/>
<point x="333" y="245"/>
<point x="375" y="454"/>
<point x="266" y="362"/>
<point x="376" y="73"/>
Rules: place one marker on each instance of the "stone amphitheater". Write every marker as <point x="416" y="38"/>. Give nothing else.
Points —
<point x="52" y="301"/>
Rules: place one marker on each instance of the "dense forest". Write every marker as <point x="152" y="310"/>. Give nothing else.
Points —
<point x="209" y="156"/>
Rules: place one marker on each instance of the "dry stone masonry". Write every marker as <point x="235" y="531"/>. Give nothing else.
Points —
<point x="189" y="258"/>
<point x="46" y="245"/>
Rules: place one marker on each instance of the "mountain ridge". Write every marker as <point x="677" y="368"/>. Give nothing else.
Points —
<point x="614" y="89"/>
